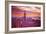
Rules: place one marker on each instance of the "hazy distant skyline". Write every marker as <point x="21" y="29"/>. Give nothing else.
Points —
<point x="19" y="11"/>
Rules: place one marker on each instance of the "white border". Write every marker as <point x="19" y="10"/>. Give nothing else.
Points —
<point x="29" y="28"/>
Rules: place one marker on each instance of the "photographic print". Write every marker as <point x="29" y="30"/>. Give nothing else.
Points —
<point x="25" y="17"/>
